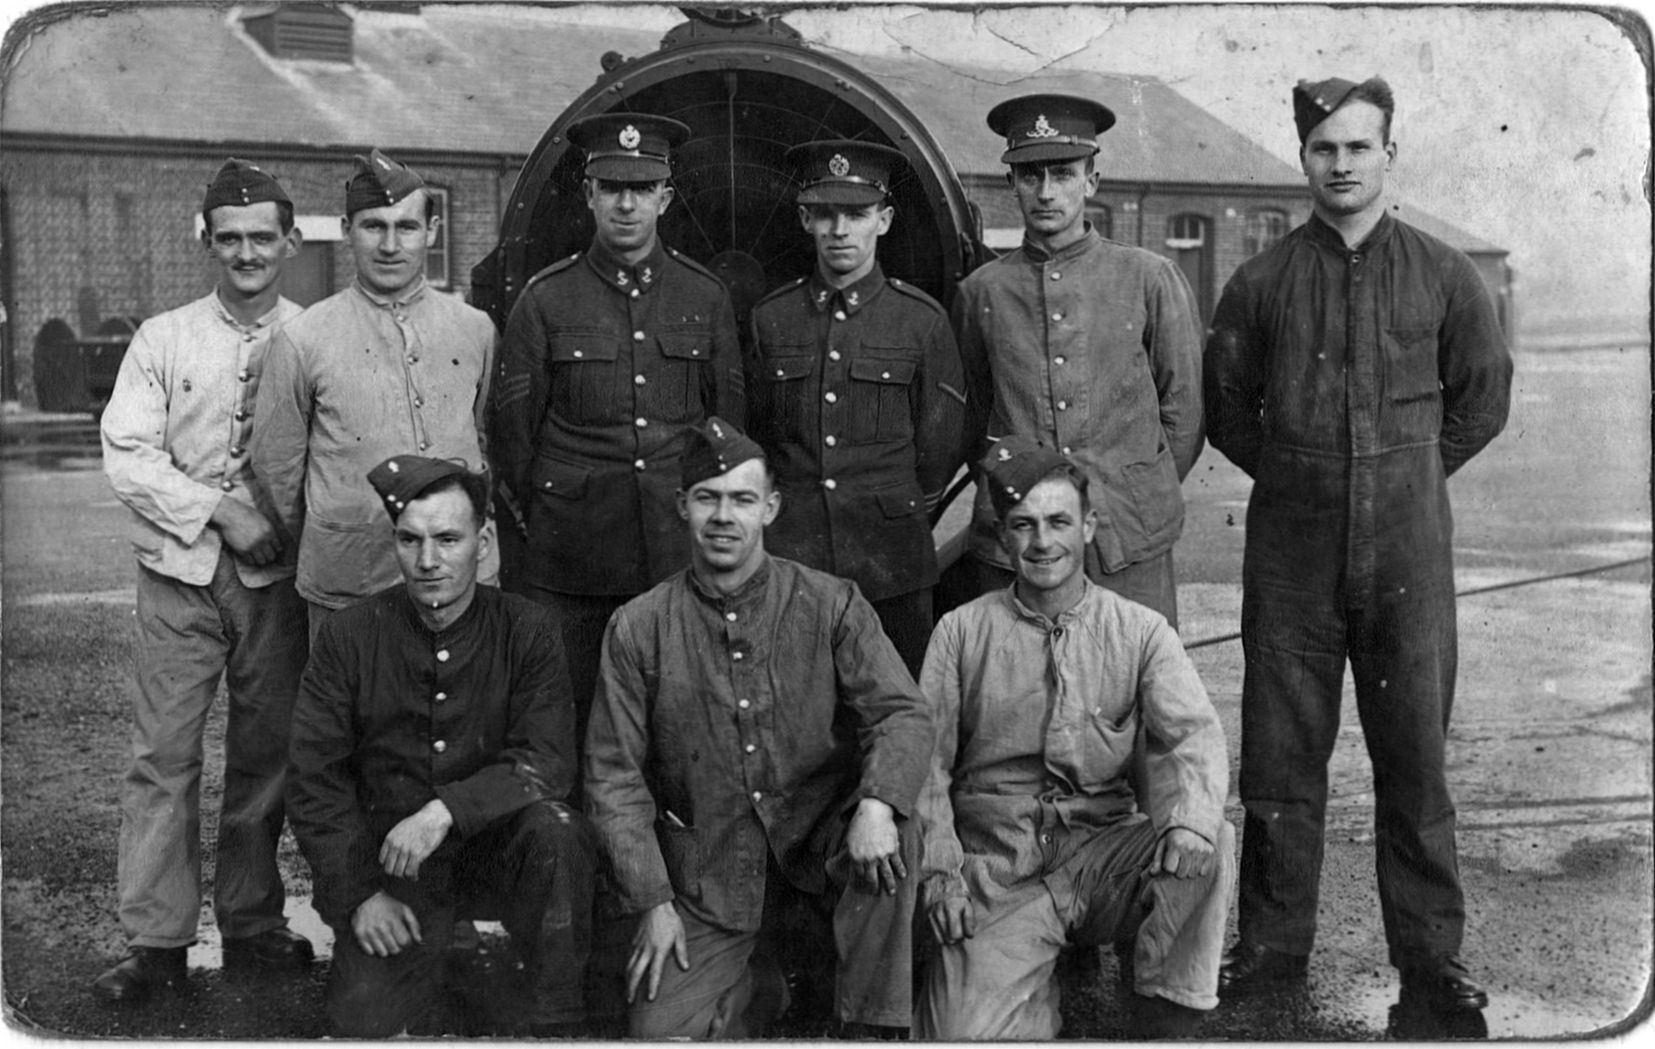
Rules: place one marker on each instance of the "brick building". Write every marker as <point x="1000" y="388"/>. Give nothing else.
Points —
<point x="112" y="120"/>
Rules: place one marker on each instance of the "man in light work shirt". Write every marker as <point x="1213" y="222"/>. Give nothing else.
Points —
<point x="1089" y="346"/>
<point x="1034" y="837"/>
<point x="610" y="357"/>
<point x="387" y="366"/>
<point x="1351" y="368"/>
<point x="215" y="599"/>
<point x="855" y="390"/>
<point x="756" y="743"/>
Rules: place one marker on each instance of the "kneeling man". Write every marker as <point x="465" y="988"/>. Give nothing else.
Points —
<point x="432" y="754"/>
<point x="755" y="742"/>
<point x="1033" y="836"/>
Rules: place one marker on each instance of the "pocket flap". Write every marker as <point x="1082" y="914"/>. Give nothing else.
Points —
<point x="559" y="477"/>
<point x="579" y="347"/>
<point x="685" y="346"/>
<point x="780" y="369"/>
<point x="874" y="369"/>
<point x="901" y="501"/>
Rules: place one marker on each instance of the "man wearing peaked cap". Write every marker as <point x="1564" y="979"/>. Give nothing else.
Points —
<point x="432" y="762"/>
<point x="754" y="758"/>
<point x="390" y="365"/>
<point x="1089" y="345"/>
<point x="1380" y="355"/>
<point x="211" y="552"/>
<point x="610" y="358"/>
<point x="1058" y="675"/>
<point x="857" y="394"/>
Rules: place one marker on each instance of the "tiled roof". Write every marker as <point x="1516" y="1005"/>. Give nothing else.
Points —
<point x="490" y="78"/>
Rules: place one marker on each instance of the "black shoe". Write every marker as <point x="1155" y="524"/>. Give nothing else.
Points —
<point x="1249" y="967"/>
<point x="1443" y="983"/>
<point x="270" y="950"/>
<point x="140" y="974"/>
<point x="1154" y="1017"/>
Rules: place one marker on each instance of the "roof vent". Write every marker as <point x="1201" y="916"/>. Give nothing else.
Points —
<point x="303" y="30"/>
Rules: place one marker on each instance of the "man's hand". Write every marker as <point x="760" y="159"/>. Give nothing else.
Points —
<point x="414" y="839"/>
<point x="953" y="919"/>
<point x="874" y="847"/>
<point x="1183" y="853"/>
<point x="383" y="925"/>
<point x="660" y="932"/>
<point x="248" y="533"/>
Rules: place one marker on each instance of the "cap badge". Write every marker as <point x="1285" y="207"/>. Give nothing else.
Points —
<point x="838" y="167"/>
<point x="393" y="467"/>
<point x="382" y="162"/>
<point x="1043" y="129"/>
<point x="1004" y="455"/>
<point x="629" y="137"/>
<point x="718" y="431"/>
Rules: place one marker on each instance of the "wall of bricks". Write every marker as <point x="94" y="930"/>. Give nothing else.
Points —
<point x="99" y="235"/>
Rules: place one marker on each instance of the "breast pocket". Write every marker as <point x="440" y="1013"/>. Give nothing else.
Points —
<point x="879" y="399"/>
<point x="673" y="392"/>
<point x="1110" y="738"/>
<point x="1412" y="387"/>
<point x="787" y="390"/>
<point x="583" y="376"/>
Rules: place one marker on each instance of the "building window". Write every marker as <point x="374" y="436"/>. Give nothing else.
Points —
<point x="1186" y="231"/>
<point x="1102" y="220"/>
<point x="1265" y="227"/>
<point x="436" y="256"/>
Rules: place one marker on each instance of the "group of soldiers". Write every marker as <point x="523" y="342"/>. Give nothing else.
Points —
<point x="704" y="695"/>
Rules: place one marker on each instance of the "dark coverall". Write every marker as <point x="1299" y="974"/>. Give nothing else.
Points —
<point x="1349" y="383"/>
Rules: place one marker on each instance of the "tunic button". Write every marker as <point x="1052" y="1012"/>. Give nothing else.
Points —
<point x="638" y="380"/>
<point x="781" y="374"/>
<point x="830" y="484"/>
<point x="637" y="464"/>
<point x="441" y="696"/>
<point x="830" y="397"/>
<point x="423" y="445"/>
<point x="413" y="359"/>
<point x="640" y="422"/>
<point x="1057" y="360"/>
<point x="758" y="795"/>
<point x="439" y="746"/>
<point x="442" y="655"/>
<point x="242" y="415"/>
<point x="246" y="336"/>
<point x="744" y="704"/>
<point x="1056" y="275"/>
<point x="731" y="616"/>
<point x="580" y="353"/>
<point x="236" y="450"/>
<point x="244" y="375"/>
<point x="636" y="293"/>
<point x="736" y="654"/>
<point x="838" y="315"/>
<point x="884" y="375"/>
<point x="1057" y="316"/>
<point x="637" y="336"/>
<point x="1046" y="838"/>
<point x="833" y="355"/>
<point x="830" y="440"/>
<point x="749" y="748"/>
<point x="1065" y="449"/>
<point x="419" y="402"/>
<point x="1062" y="406"/>
<point x="227" y="485"/>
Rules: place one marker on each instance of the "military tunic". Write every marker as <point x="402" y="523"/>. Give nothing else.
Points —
<point x="858" y="398"/>
<point x="603" y="367"/>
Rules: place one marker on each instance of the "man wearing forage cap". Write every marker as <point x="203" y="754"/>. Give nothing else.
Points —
<point x="432" y="761"/>
<point x="1035" y="835"/>
<point x="1350" y="369"/>
<point x="1089" y="345"/>
<point x="755" y="743"/>
<point x="215" y="599"/>
<point x="855" y="390"/>
<point x="387" y="366"/>
<point x="610" y="357"/>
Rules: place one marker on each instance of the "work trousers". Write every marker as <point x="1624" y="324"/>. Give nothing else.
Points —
<point x="999" y="983"/>
<point x="1151" y="583"/>
<point x="533" y="870"/>
<point x="1389" y="610"/>
<point x="907" y="620"/>
<point x="188" y="638"/>
<point x="722" y="995"/>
